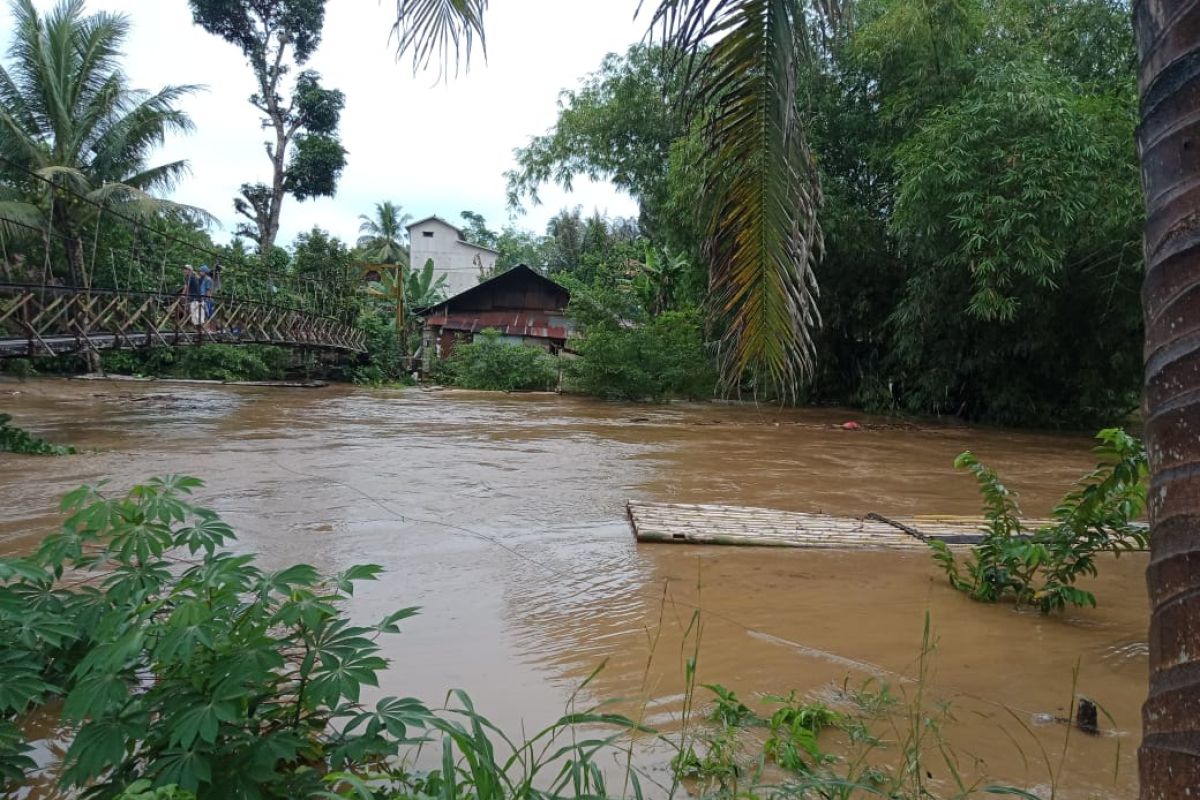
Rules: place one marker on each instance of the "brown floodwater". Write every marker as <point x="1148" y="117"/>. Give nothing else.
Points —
<point x="503" y="518"/>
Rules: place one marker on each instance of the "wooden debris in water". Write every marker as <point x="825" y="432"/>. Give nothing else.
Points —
<point x="684" y="523"/>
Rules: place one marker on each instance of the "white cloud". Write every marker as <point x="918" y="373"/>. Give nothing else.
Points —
<point x="436" y="148"/>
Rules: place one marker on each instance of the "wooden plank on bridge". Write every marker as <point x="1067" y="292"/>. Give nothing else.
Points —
<point x="683" y="523"/>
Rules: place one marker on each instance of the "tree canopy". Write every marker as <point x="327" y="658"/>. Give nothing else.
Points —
<point x="277" y="37"/>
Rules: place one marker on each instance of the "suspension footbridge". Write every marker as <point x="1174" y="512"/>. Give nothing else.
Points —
<point x="41" y="320"/>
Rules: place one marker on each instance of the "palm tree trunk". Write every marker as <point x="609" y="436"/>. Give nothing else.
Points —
<point x="72" y="243"/>
<point x="401" y="322"/>
<point x="1168" y="33"/>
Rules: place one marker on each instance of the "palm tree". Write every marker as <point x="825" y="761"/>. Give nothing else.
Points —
<point x="382" y="242"/>
<point x="1169" y="759"/>
<point x="70" y="125"/>
<point x="384" y="234"/>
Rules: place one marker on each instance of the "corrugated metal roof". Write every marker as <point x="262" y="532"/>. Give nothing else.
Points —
<point x="509" y="323"/>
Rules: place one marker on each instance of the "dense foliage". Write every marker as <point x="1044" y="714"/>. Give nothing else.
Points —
<point x="980" y="209"/>
<point x="216" y="362"/>
<point x="490" y="363"/>
<point x="386" y="357"/>
<point x="184" y="663"/>
<point x="1041" y="567"/>
<point x="978" y="198"/>
<point x="658" y="360"/>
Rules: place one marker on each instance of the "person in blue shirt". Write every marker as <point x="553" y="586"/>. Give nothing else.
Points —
<point x="206" y="293"/>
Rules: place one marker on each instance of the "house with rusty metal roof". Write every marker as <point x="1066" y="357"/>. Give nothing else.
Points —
<point x="522" y="305"/>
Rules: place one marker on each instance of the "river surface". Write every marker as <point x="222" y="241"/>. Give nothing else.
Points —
<point x="502" y="517"/>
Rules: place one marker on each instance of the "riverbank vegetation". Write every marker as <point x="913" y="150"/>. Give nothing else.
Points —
<point x="19" y="440"/>
<point x="491" y="364"/>
<point x="180" y="669"/>
<point x="1041" y="567"/>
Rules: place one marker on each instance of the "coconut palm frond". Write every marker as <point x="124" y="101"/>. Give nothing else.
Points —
<point x="72" y="179"/>
<point x="143" y="125"/>
<point x="16" y="120"/>
<point x="68" y="115"/>
<point x="163" y="176"/>
<point x="384" y="234"/>
<point x="445" y="28"/>
<point x="762" y="189"/>
<point x="18" y="217"/>
<point x="132" y="201"/>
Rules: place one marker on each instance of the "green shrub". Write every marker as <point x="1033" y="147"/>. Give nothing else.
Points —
<point x="187" y="665"/>
<point x="216" y="362"/>
<point x="384" y="359"/>
<point x="19" y="440"/>
<point x="491" y="364"/>
<point x="661" y="359"/>
<point x="21" y="368"/>
<point x="1040" y="567"/>
<point x="130" y="362"/>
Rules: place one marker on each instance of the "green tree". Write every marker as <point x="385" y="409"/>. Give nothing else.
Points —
<point x="619" y="125"/>
<point x="324" y="268"/>
<point x="384" y="241"/>
<point x="277" y="37"/>
<point x="566" y="230"/>
<point x="522" y="247"/>
<point x="656" y="360"/>
<point x="383" y="236"/>
<point x="476" y="231"/>
<point x="69" y="116"/>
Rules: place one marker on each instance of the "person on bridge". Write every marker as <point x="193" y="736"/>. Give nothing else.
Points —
<point x="193" y="292"/>
<point x="206" y="294"/>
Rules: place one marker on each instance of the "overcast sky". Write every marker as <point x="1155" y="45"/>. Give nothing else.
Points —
<point x="433" y="148"/>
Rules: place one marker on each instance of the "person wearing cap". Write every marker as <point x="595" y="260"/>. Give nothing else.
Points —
<point x="206" y="291"/>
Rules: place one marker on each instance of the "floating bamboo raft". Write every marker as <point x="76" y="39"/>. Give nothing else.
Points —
<point x="682" y="523"/>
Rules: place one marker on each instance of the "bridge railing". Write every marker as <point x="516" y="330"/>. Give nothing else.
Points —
<point x="42" y="320"/>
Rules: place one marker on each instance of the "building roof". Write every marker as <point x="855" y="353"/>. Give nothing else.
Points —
<point x="453" y="227"/>
<point x="434" y="218"/>
<point x="521" y="271"/>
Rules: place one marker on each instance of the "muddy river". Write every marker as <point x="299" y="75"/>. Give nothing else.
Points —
<point x="503" y="518"/>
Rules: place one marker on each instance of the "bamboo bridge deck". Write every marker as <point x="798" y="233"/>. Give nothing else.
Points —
<point x="683" y="523"/>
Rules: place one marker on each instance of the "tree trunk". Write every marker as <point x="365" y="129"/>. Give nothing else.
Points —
<point x="1168" y="33"/>
<point x="278" y="174"/>
<point x="72" y="244"/>
<point x="401" y="321"/>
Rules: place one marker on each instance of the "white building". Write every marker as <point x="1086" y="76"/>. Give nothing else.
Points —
<point x="461" y="262"/>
